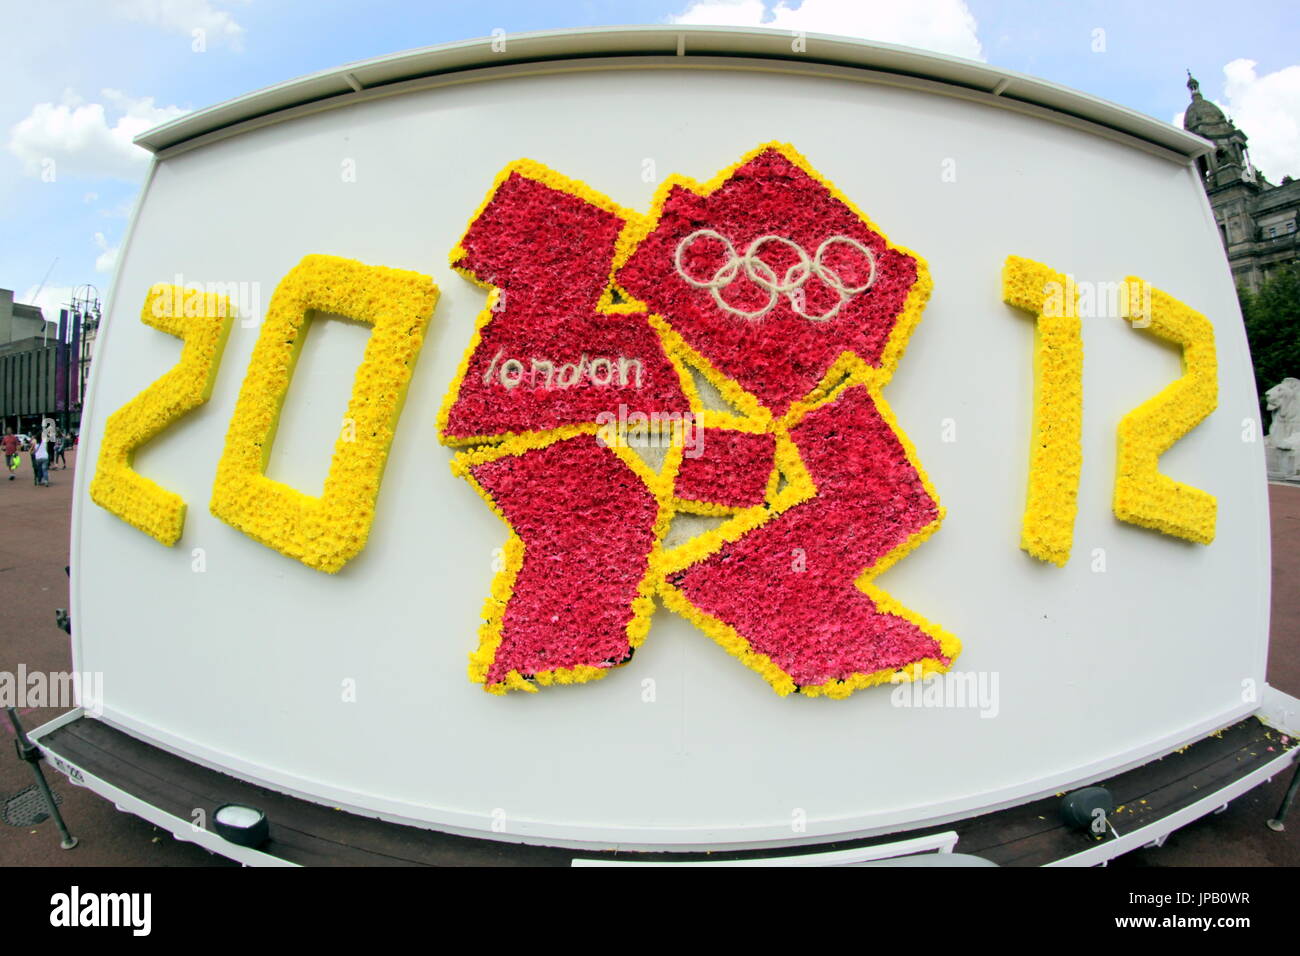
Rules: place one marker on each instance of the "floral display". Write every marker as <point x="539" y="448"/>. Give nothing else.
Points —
<point x="792" y="597"/>
<point x="551" y="349"/>
<point x="583" y="414"/>
<point x="772" y="194"/>
<point x="1056" y="448"/>
<point x="325" y="532"/>
<point x="789" y="302"/>
<point x="574" y="597"/>
<point x="202" y="321"/>
<point x="733" y="471"/>
<point x="1143" y="496"/>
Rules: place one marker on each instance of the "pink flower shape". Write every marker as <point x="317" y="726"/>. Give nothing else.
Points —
<point x="782" y="356"/>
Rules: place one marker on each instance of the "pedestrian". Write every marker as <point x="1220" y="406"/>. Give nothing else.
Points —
<point x="60" y="445"/>
<point x="9" y="445"/>
<point x="41" y="460"/>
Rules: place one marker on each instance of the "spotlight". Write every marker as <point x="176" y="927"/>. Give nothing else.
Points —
<point x="242" y="826"/>
<point x="1088" y="809"/>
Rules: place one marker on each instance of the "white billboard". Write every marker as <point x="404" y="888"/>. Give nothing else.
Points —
<point x="766" y="234"/>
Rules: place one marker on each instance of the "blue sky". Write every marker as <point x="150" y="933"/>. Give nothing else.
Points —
<point x="82" y="76"/>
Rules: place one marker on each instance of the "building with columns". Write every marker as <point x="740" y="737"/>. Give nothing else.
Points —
<point x="1258" y="221"/>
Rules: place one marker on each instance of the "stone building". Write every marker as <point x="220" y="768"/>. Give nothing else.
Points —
<point x="1257" y="220"/>
<point x="27" y="364"/>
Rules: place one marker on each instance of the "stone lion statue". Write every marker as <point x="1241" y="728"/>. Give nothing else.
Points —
<point x="1283" y="400"/>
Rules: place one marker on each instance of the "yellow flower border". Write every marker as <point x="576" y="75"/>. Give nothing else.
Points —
<point x="203" y="325"/>
<point x="325" y="532"/>
<point x="800" y="488"/>
<point x="1144" y="496"/>
<point x="848" y="369"/>
<point x="1056" y="448"/>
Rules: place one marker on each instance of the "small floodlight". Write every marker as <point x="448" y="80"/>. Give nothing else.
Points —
<point x="243" y="826"/>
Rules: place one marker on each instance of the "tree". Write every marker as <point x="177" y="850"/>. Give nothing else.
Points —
<point x="1273" y="327"/>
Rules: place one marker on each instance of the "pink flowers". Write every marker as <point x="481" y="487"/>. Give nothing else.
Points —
<point x="790" y="303"/>
<point x="546" y="355"/>
<point x="587" y="525"/>
<point x="783" y="356"/>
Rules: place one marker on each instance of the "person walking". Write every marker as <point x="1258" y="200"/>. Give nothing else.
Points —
<point x="60" y="445"/>
<point x="9" y="445"/>
<point x="41" y="460"/>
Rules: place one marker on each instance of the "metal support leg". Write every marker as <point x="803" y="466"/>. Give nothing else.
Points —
<point x="1277" y="823"/>
<point x="30" y="754"/>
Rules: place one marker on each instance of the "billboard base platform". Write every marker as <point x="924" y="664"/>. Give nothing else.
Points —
<point x="1151" y="801"/>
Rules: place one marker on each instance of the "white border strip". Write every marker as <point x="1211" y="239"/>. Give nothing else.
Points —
<point x="182" y="830"/>
<point x="938" y="843"/>
<point x="684" y="44"/>
<point x="941" y="843"/>
<point x="86" y="466"/>
<point x="1157" y="831"/>
<point x="680" y="839"/>
<point x="1280" y="711"/>
<point x="757" y="64"/>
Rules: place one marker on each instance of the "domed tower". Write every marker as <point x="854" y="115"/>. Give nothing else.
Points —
<point x="1229" y="163"/>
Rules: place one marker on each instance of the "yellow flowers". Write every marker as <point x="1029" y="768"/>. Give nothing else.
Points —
<point x="1056" y="451"/>
<point x="202" y="322"/>
<point x="326" y="532"/>
<point x="1143" y="496"/>
<point x="527" y="639"/>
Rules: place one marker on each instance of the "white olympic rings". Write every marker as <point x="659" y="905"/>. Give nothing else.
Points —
<point x="764" y="276"/>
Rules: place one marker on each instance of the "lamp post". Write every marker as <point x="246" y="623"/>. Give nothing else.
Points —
<point x="86" y="316"/>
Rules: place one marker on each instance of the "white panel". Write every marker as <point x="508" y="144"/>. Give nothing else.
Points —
<point x="242" y="665"/>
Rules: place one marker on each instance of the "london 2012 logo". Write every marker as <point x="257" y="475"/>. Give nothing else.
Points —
<point x="748" y="324"/>
<point x="681" y="408"/>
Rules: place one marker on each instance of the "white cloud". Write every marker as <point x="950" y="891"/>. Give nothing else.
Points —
<point x="942" y="26"/>
<point x="186" y="16"/>
<point x="78" y="139"/>
<point x="107" y="254"/>
<point x="725" y="13"/>
<point x="50" y="300"/>
<point x="1267" y="109"/>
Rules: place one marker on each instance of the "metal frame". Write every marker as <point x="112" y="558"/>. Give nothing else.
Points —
<point x="1154" y="834"/>
<point x="674" y="47"/>
<point x="940" y="844"/>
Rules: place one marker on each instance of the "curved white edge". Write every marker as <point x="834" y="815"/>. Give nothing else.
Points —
<point x="938" y="844"/>
<point x="574" y="835"/>
<point x="1155" y="833"/>
<point x="1175" y="153"/>
<point x="943" y="843"/>
<point x="182" y="830"/>
<point x="85" y="471"/>
<point x="1280" y="711"/>
<point x="684" y="44"/>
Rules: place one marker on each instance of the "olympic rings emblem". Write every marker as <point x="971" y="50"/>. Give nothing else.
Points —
<point x="764" y="276"/>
